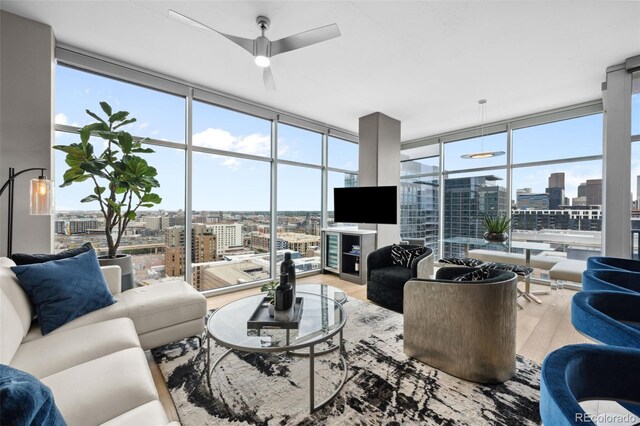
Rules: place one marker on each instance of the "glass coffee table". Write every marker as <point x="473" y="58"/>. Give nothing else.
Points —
<point x="321" y="319"/>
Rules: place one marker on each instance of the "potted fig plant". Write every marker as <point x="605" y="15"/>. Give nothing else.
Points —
<point x="497" y="227"/>
<point x="122" y="181"/>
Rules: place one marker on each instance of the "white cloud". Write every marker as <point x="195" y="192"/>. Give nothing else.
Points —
<point x="143" y="125"/>
<point x="254" y="144"/>
<point x="61" y="118"/>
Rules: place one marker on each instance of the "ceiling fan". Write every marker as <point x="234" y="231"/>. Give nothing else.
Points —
<point x="264" y="49"/>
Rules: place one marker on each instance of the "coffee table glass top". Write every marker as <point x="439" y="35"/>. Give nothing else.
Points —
<point x="321" y="318"/>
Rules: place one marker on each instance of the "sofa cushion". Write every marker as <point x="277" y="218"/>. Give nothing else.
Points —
<point x="16" y="311"/>
<point x="27" y="259"/>
<point x="73" y="347"/>
<point x="26" y="400"/>
<point x="391" y="276"/>
<point x="97" y="391"/>
<point x="164" y="304"/>
<point x="117" y="310"/>
<point x="149" y="414"/>
<point x="64" y="289"/>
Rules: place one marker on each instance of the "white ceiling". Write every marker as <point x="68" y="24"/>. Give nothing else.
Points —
<point x="423" y="63"/>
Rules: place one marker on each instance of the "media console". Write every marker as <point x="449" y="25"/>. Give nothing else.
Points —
<point x="345" y="251"/>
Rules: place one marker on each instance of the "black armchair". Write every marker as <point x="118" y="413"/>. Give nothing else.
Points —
<point x="385" y="281"/>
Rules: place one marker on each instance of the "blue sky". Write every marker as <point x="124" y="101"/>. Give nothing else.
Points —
<point x="219" y="182"/>
<point x="228" y="183"/>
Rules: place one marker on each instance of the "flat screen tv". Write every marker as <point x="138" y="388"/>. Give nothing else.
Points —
<point x="366" y="204"/>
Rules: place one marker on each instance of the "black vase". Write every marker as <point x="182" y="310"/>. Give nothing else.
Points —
<point x="283" y="294"/>
<point x="288" y="267"/>
<point x="496" y="237"/>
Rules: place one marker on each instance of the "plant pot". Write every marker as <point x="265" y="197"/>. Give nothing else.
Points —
<point x="496" y="237"/>
<point x="125" y="263"/>
<point x="271" y="309"/>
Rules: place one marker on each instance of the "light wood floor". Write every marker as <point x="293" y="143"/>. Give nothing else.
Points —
<point x="540" y="328"/>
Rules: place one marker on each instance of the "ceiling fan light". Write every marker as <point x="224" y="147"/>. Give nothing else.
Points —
<point x="262" y="61"/>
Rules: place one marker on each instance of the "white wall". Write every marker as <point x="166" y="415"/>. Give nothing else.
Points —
<point x="26" y="124"/>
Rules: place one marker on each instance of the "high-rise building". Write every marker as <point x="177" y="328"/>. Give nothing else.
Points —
<point x="594" y="192"/>
<point x="227" y="235"/>
<point x="556" y="180"/>
<point x="466" y="201"/>
<point x="582" y="189"/>
<point x="556" y="190"/>
<point x="419" y="202"/>
<point x="638" y="192"/>
<point x="203" y="249"/>
<point x="556" y="198"/>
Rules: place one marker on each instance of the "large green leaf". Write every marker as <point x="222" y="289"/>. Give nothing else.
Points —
<point x="118" y="116"/>
<point x="99" y="190"/>
<point x="106" y="108"/>
<point x="125" y="140"/>
<point x="151" y="198"/>
<point x="89" y="199"/>
<point x="125" y="122"/>
<point x="131" y="215"/>
<point x="94" y="115"/>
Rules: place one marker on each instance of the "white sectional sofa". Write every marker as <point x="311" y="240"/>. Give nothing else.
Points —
<point x="95" y="365"/>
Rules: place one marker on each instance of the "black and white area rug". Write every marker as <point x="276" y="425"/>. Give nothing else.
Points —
<point x="383" y="387"/>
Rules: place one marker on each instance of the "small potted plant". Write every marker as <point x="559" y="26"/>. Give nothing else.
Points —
<point x="270" y="289"/>
<point x="497" y="227"/>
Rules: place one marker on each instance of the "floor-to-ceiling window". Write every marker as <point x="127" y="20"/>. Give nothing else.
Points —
<point x="548" y="179"/>
<point x="635" y="165"/>
<point x="231" y="205"/>
<point x="419" y="195"/>
<point x="556" y="192"/>
<point x="299" y="196"/>
<point x="473" y="187"/>
<point x="342" y="171"/>
<point x="160" y="117"/>
<point x="217" y="164"/>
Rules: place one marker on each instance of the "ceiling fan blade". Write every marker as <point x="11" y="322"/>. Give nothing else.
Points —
<point x="304" y="39"/>
<point x="267" y="78"/>
<point x="245" y="43"/>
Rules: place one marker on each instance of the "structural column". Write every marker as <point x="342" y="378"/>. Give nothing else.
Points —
<point x="616" y="201"/>
<point x="26" y="124"/>
<point x="379" y="145"/>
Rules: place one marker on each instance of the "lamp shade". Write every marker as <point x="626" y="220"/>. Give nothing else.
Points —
<point x="41" y="197"/>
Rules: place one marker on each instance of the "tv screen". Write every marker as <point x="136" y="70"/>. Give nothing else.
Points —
<point x="366" y="204"/>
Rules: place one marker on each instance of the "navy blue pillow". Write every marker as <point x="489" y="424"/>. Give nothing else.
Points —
<point x="27" y="259"/>
<point x="26" y="400"/>
<point x="63" y="290"/>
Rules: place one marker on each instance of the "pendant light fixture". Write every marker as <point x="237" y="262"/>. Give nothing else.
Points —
<point x="482" y="154"/>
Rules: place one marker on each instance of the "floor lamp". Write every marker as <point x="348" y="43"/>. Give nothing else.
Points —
<point x="41" y="198"/>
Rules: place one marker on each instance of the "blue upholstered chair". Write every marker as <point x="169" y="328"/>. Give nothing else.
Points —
<point x="605" y="262"/>
<point x="609" y="317"/>
<point x="587" y="372"/>
<point x="611" y="280"/>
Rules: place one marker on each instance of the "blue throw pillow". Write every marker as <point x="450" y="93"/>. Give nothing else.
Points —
<point x="27" y="259"/>
<point x="26" y="400"/>
<point x="63" y="290"/>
